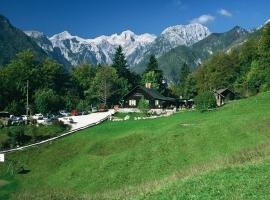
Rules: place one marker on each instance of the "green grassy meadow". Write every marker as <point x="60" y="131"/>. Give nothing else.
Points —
<point x="222" y="154"/>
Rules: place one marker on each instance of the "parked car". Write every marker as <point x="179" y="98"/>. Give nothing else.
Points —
<point x="85" y="112"/>
<point x="51" y="117"/>
<point x="68" y="120"/>
<point x="25" y="117"/>
<point x="44" y="121"/>
<point x="64" y="113"/>
<point x="16" y="120"/>
<point x="74" y="112"/>
<point x="94" y="109"/>
<point x="38" y="116"/>
<point x="102" y="108"/>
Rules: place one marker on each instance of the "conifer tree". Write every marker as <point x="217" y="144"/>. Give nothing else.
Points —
<point x="184" y="72"/>
<point x="120" y="63"/>
<point x="152" y="64"/>
<point x="154" y="75"/>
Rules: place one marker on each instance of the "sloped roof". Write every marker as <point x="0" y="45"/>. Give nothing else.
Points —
<point x="152" y="92"/>
<point x="221" y="91"/>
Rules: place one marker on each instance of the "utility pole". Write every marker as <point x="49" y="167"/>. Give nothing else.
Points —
<point x="27" y="98"/>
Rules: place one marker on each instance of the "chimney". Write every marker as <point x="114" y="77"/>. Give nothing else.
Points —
<point x="148" y="85"/>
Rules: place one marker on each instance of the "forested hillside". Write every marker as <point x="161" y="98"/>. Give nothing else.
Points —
<point x="244" y="69"/>
<point x="13" y="41"/>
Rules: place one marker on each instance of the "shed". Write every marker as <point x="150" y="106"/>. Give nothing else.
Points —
<point x="223" y="95"/>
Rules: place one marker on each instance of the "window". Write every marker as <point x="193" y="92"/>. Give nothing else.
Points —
<point x="132" y="102"/>
<point x="156" y="102"/>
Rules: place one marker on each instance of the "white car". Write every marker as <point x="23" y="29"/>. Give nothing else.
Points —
<point x="64" y="113"/>
<point x="68" y="120"/>
<point x="38" y="116"/>
<point x="25" y="117"/>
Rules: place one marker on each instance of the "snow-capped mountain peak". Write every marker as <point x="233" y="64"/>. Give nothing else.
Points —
<point x="185" y="34"/>
<point x="101" y="49"/>
<point x="61" y="36"/>
<point x="127" y="34"/>
<point x="34" y="34"/>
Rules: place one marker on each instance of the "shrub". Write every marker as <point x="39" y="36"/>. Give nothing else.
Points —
<point x="17" y="135"/>
<point x="205" y="101"/>
<point x="143" y="106"/>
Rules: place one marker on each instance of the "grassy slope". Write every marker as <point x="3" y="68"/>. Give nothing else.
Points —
<point x="150" y="158"/>
<point x="245" y="182"/>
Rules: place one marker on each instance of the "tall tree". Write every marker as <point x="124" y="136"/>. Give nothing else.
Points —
<point x="264" y="60"/>
<point x="54" y="76"/>
<point x="152" y="64"/>
<point x="47" y="101"/>
<point x="120" y="63"/>
<point x="102" y="85"/>
<point x="264" y="42"/>
<point x="190" y="87"/>
<point x="151" y="77"/>
<point x="154" y="75"/>
<point x="184" y="72"/>
<point x="15" y="76"/>
<point x="82" y="76"/>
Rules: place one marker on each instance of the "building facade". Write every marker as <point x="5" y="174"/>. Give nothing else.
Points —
<point x="152" y="96"/>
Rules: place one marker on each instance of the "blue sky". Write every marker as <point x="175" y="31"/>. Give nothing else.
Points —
<point x="91" y="18"/>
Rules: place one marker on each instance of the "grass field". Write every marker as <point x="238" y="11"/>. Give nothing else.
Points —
<point x="221" y="154"/>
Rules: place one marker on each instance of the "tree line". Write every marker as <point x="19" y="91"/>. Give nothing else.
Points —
<point x="52" y="87"/>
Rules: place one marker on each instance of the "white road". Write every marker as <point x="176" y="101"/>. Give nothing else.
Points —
<point x="85" y="120"/>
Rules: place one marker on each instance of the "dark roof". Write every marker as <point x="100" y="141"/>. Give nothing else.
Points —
<point x="152" y="92"/>
<point x="221" y="91"/>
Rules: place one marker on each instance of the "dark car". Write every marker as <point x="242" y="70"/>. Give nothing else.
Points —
<point x="16" y="120"/>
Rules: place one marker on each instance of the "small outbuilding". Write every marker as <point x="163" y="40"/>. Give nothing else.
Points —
<point x="223" y="95"/>
<point x="155" y="99"/>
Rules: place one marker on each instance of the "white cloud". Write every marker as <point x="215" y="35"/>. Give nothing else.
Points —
<point x="225" y="13"/>
<point x="203" y="19"/>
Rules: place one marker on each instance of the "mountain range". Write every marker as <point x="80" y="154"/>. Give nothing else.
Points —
<point x="78" y="50"/>
<point x="192" y="43"/>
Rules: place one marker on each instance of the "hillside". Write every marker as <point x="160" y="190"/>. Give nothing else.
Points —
<point x="13" y="41"/>
<point x="153" y="159"/>
<point x="53" y="52"/>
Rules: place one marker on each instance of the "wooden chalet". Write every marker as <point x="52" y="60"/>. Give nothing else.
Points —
<point x="155" y="99"/>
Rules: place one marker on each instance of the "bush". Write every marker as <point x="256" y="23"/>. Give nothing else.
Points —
<point x="17" y="135"/>
<point x="21" y="135"/>
<point x="143" y="106"/>
<point x="205" y="101"/>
